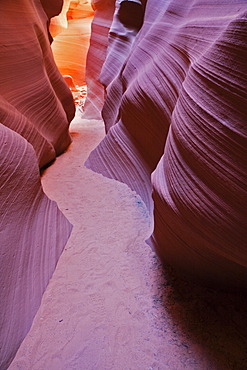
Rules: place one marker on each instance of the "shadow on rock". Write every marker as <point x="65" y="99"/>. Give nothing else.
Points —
<point x="206" y="322"/>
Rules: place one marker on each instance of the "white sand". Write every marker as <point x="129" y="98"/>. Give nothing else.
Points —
<point x="107" y="305"/>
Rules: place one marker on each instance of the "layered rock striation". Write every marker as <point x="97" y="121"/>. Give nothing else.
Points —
<point x="33" y="234"/>
<point x="175" y="116"/>
<point x="103" y="13"/>
<point x="36" y="107"/>
<point x="34" y="99"/>
<point x="71" y="33"/>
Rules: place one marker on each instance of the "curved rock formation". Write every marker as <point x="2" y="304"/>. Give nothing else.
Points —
<point x="59" y="23"/>
<point x="36" y="107"/>
<point x="34" y="99"/>
<point x="120" y="40"/>
<point x="177" y="110"/>
<point x="203" y="170"/>
<point x="52" y="7"/>
<point x="71" y="33"/>
<point x="33" y="234"/>
<point x="103" y="13"/>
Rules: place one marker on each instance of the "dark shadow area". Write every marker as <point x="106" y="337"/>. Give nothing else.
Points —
<point x="42" y="170"/>
<point x="207" y="322"/>
<point x="131" y="14"/>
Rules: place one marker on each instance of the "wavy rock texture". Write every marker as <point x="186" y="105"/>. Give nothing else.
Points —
<point x="33" y="234"/>
<point x="71" y="32"/>
<point x="36" y="107"/>
<point x="179" y="102"/>
<point x="103" y="13"/>
<point x="120" y="40"/>
<point x="34" y="99"/>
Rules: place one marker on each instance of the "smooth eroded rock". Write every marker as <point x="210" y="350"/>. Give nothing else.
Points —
<point x="35" y="101"/>
<point x="71" y="32"/>
<point x="33" y="234"/>
<point x="175" y="113"/>
<point x="103" y="13"/>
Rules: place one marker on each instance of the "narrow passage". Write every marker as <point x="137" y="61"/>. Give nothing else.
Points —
<point x="109" y="304"/>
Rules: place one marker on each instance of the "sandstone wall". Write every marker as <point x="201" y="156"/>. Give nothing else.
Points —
<point x="71" y="33"/>
<point x="36" y="107"/>
<point x="34" y="99"/>
<point x="103" y="13"/>
<point x="175" y="119"/>
<point x="33" y="234"/>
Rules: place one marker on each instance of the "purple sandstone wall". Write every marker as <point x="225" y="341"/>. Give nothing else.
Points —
<point x="103" y="13"/>
<point x="175" y="116"/>
<point x="36" y="107"/>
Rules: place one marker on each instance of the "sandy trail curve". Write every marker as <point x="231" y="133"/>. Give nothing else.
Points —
<point x="108" y="305"/>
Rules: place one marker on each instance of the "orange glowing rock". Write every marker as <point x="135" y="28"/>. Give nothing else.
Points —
<point x="71" y="33"/>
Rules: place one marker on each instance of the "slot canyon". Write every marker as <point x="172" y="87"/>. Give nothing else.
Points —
<point x="123" y="197"/>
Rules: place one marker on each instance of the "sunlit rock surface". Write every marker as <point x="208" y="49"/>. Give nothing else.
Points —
<point x="71" y="33"/>
<point x="33" y="234"/>
<point x="34" y="99"/>
<point x="175" y="116"/>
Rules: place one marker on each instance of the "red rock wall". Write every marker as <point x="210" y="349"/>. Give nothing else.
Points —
<point x="36" y="107"/>
<point x="34" y="99"/>
<point x="175" y="119"/>
<point x="52" y="7"/>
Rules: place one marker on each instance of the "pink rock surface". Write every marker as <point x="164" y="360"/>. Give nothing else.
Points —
<point x="120" y="40"/>
<point x="36" y="107"/>
<point x="103" y="13"/>
<point x="35" y="101"/>
<point x="33" y="235"/>
<point x="179" y="102"/>
<point x="110" y="304"/>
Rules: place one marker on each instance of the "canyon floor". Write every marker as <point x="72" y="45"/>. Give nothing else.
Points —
<point x="110" y="304"/>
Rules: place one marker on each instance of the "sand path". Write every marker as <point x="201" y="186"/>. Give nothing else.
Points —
<point x="108" y="305"/>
